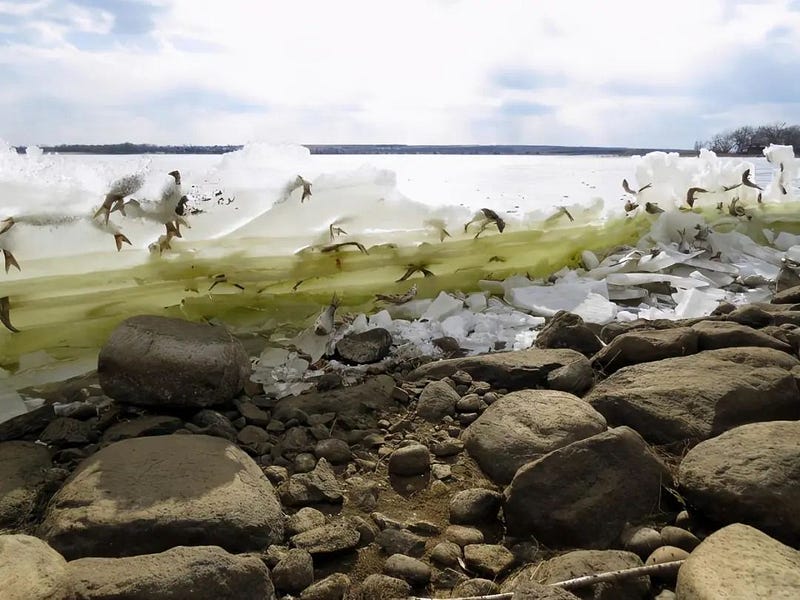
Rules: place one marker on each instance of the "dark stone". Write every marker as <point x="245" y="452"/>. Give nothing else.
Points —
<point x="567" y="330"/>
<point x="366" y="347"/>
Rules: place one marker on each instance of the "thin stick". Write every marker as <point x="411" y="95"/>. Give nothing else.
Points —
<point x="586" y="580"/>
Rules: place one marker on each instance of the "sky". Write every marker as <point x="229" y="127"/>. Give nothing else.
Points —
<point x="572" y="72"/>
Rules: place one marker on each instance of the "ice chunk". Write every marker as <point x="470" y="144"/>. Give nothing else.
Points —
<point x="664" y="259"/>
<point x="359" y="324"/>
<point x="11" y="403"/>
<point x="596" y="309"/>
<point x="458" y="325"/>
<point x="625" y="279"/>
<point x="272" y="357"/>
<point x="410" y="310"/>
<point x="696" y="303"/>
<point x="381" y="319"/>
<point x="713" y="265"/>
<point x="784" y="241"/>
<point x="546" y="301"/>
<point x="793" y="253"/>
<point x="476" y="302"/>
<point x="620" y="293"/>
<point x="441" y="308"/>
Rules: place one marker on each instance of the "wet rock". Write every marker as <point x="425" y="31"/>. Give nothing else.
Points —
<point x="488" y="559"/>
<point x="254" y="439"/>
<point x="641" y="540"/>
<point x="646" y="346"/>
<point x="294" y="572"/>
<point x="142" y="427"/>
<point x="63" y="432"/>
<point x="32" y="570"/>
<point x="740" y="562"/>
<point x="336" y="452"/>
<point x="319" y="485"/>
<point x="400" y="541"/>
<point x="414" y="571"/>
<point x="721" y="334"/>
<point x="367" y="347"/>
<point x="252" y="413"/>
<point x="122" y="500"/>
<point x="436" y="401"/>
<point x="666" y="554"/>
<point x="333" y="537"/>
<point x="22" y="480"/>
<point x="567" y="330"/>
<point x="444" y="447"/>
<point x="471" y="403"/>
<point x="526" y="425"/>
<point x="27" y="423"/>
<point x="214" y="423"/>
<point x="524" y="369"/>
<point x="463" y="536"/>
<point x="675" y="536"/>
<point x="548" y="497"/>
<point x="588" y="562"/>
<point x="201" y="572"/>
<point x="304" y="519"/>
<point x="751" y="316"/>
<point x="447" y="554"/>
<point x="382" y="586"/>
<point x="476" y="505"/>
<point x="750" y="474"/>
<point x="787" y="296"/>
<point x="157" y="361"/>
<point x="333" y="587"/>
<point x="410" y="460"/>
<point x="697" y="397"/>
<point x="304" y="462"/>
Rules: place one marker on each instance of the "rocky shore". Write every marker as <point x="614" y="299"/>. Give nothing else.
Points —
<point x="167" y="473"/>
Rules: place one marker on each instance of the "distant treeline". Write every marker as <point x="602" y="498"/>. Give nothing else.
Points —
<point x="130" y="148"/>
<point x="751" y="140"/>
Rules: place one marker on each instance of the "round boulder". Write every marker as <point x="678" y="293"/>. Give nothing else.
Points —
<point x="32" y="570"/>
<point x="154" y="361"/>
<point x="525" y="425"/>
<point x="366" y="347"/>
<point x="146" y="495"/>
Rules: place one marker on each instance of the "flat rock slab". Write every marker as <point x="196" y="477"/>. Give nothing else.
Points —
<point x="147" y="495"/>
<point x="199" y="572"/>
<point x="740" y="562"/>
<point x="699" y="396"/>
<point x="525" y="425"/>
<point x="361" y="404"/>
<point x="22" y="478"/>
<point x="158" y="361"/>
<point x="32" y="570"/>
<point x="646" y="346"/>
<point x="750" y="474"/>
<point x="583" y="494"/>
<point x="520" y="370"/>
<point x="725" y="334"/>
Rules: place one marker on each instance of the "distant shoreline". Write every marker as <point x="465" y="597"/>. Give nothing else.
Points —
<point x="355" y="149"/>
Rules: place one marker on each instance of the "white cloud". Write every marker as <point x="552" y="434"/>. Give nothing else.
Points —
<point x="622" y="72"/>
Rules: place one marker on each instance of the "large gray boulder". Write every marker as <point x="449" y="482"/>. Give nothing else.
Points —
<point x="199" y="572"/>
<point x="583" y="494"/>
<point x="525" y="425"/>
<point x="32" y="570"/>
<point x="740" y="562"/>
<point x="645" y="346"/>
<point x="22" y="480"/>
<point x="750" y="474"/>
<point x="568" y="330"/>
<point x="726" y="334"/>
<point x="146" y="495"/>
<point x="520" y="370"/>
<point x="700" y="396"/>
<point x="154" y="361"/>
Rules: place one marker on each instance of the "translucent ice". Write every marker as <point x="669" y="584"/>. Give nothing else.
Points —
<point x="546" y="301"/>
<point x="696" y="303"/>
<point x="441" y="308"/>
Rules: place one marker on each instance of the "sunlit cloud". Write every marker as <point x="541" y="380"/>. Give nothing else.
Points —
<point x="624" y="73"/>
